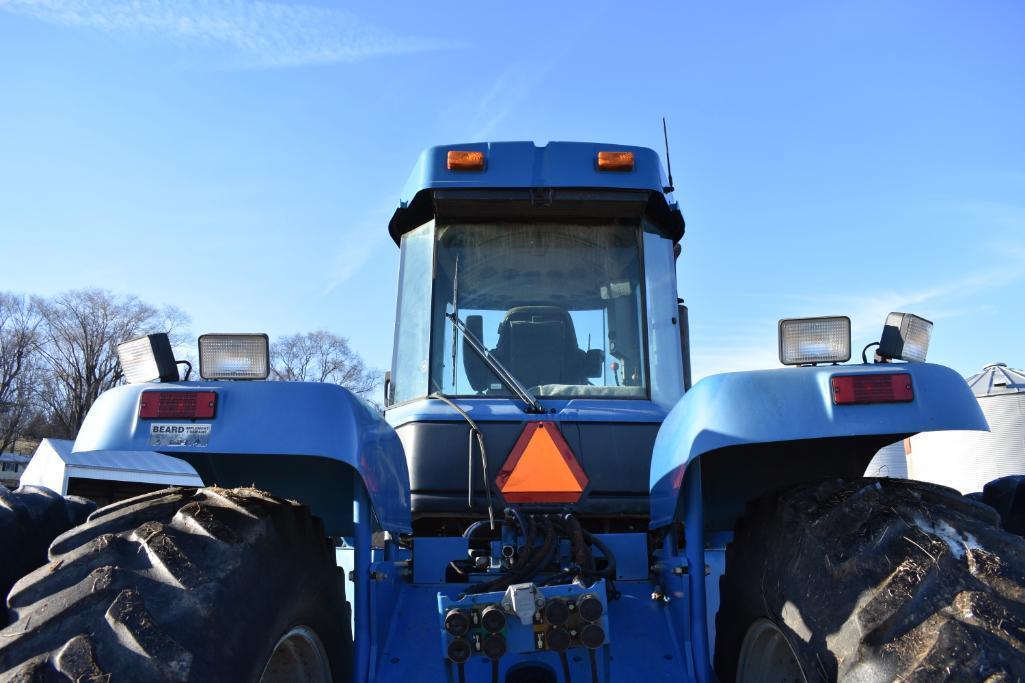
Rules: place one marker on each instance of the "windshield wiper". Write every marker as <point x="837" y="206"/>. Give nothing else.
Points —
<point x="504" y="376"/>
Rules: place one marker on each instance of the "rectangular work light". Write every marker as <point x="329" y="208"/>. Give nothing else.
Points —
<point x="148" y="359"/>
<point x="806" y="341"/>
<point x="905" y="337"/>
<point x="234" y="356"/>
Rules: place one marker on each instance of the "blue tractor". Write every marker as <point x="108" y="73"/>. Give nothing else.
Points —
<point x="545" y="498"/>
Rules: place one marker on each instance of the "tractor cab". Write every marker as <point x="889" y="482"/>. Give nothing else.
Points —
<point x="551" y="302"/>
<point x="536" y="283"/>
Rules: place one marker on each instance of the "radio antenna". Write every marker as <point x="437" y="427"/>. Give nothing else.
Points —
<point x="669" y="166"/>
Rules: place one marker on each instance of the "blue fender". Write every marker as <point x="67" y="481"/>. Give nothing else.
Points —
<point x="793" y="404"/>
<point x="263" y="424"/>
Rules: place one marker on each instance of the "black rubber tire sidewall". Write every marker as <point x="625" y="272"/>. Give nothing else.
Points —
<point x="207" y="580"/>
<point x="861" y="579"/>
<point x="30" y="518"/>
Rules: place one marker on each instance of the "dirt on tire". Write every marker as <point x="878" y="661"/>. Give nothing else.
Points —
<point x="177" y="585"/>
<point x="878" y="580"/>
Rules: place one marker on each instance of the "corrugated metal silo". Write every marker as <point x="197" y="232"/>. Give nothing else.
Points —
<point x="891" y="461"/>
<point x="967" y="460"/>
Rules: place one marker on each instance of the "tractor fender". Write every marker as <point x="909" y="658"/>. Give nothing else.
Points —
<point x="769" y="428"/>
<point x="299" y="440"/>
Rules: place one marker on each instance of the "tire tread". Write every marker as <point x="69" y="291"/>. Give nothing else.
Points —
<point x="126" y="594"/>
<point x="892" y="579"/>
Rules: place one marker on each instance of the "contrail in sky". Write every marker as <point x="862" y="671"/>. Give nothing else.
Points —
<point x="261" y="34"/>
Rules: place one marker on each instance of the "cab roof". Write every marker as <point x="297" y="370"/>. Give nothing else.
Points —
<point x="526" y="166"/>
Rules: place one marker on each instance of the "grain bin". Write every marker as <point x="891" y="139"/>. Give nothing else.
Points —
<point x="967" y="460"/>
<point x="890" y="461"/>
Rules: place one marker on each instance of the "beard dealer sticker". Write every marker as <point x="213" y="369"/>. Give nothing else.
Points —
<point x="186" y="434"/>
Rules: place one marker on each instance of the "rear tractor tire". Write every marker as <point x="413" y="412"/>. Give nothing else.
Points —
<point x="186" y="584"/>
<point x="30" y="518"/>
<point x="1006" y="495"/>
<point x="871" y="580"/>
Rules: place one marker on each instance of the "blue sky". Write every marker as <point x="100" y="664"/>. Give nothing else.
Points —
<point x="241" y="160"/>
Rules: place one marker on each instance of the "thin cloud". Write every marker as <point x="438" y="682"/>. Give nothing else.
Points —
<point x="356" y="247"/>
<point x="255" y="34"/>
<point x="757" y="352"/>
<point x="990" y="214"/>
<point x="757" y="349"/>
<point x="513" y="86"/>
<point x="506" y="94"/>
<point x="869" y="311"/>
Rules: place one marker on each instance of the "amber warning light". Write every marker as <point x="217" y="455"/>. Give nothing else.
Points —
<point x="541" y="468"/>
<point x="615" y="161"/>
<point x="465" y="161"/>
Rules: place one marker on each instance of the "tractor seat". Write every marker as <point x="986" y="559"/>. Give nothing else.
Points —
<point x="539" y="346"/>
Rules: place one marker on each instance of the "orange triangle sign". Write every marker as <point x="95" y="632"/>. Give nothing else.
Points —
<point x="541" y="468"/>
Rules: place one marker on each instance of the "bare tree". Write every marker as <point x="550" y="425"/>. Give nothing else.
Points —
<point x="77" y="345"/>
<point x="18" y="367"/>
<point x="322" y="357"/>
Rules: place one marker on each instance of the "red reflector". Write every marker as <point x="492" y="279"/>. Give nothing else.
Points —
<point x="887" y="388"/>
<point x="189" y="405"/>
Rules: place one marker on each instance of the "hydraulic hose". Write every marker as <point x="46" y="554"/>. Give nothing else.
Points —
<point x="518" y="516"/>
<point x="528" y="543"/>
<point x="564" y="660"/>
<point x="534" y="557"/>
<point x="523" y="573"/>
<point x="610" y="570"/>
<point x="581" y="554"/>
<point x="476" y="525"/>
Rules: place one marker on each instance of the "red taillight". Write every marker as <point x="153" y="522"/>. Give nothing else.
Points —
<point x="177" y="405"/>
<point x="888" y="388"/>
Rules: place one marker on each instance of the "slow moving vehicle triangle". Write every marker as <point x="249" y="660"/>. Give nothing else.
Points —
<point x="541" y="468"/>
